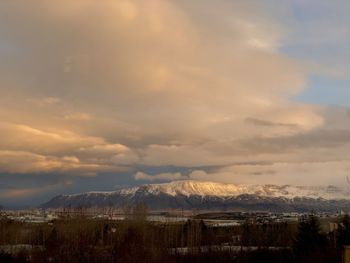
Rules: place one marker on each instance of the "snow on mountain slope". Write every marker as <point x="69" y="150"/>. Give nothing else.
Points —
<point x="189" y="188"/>
<point x="214" y="196"/>
<point x="199" y="188"/>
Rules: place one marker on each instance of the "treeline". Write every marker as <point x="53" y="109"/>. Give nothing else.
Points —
<point x="82" y="239"/>
<point x="311" y="245"/>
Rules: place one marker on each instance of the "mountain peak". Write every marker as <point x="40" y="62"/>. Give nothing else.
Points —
<point x="191" y="187"/>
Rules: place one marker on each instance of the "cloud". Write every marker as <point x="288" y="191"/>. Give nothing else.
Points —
<point x="112" y="154"/>
<point x="259" y="122"/>
<point x="12" y="194"/>
<point x="160" y="177"/>
<point x="108" y="86"/>
<point x="59" y="151"/>
<point x="42" y="102"/>
<point x="79" y="117"/>
<point x="294" y="173"/>
<point x="24" y="137"/>
<point x="26" y="162"/>
<point x="82" y="82"/>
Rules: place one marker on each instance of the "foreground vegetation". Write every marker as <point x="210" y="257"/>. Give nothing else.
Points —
<point x="82" y="239"/>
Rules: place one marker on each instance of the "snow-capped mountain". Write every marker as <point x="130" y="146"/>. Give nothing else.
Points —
<point x="188" y="188"/>
<point x="209" y="195"/>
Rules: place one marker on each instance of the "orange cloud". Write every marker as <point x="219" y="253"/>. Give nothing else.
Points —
<point x="104" y="86"/>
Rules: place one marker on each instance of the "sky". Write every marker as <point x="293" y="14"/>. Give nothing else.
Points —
<point x="99" y="95"/>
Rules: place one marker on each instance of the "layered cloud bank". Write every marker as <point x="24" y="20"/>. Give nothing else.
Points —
<point x="91" y="87"/>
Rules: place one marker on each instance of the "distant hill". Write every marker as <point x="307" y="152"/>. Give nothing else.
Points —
<point x="214" y="196"/>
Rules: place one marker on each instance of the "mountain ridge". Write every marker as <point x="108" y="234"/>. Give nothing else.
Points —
<point x="189" y="194"/>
